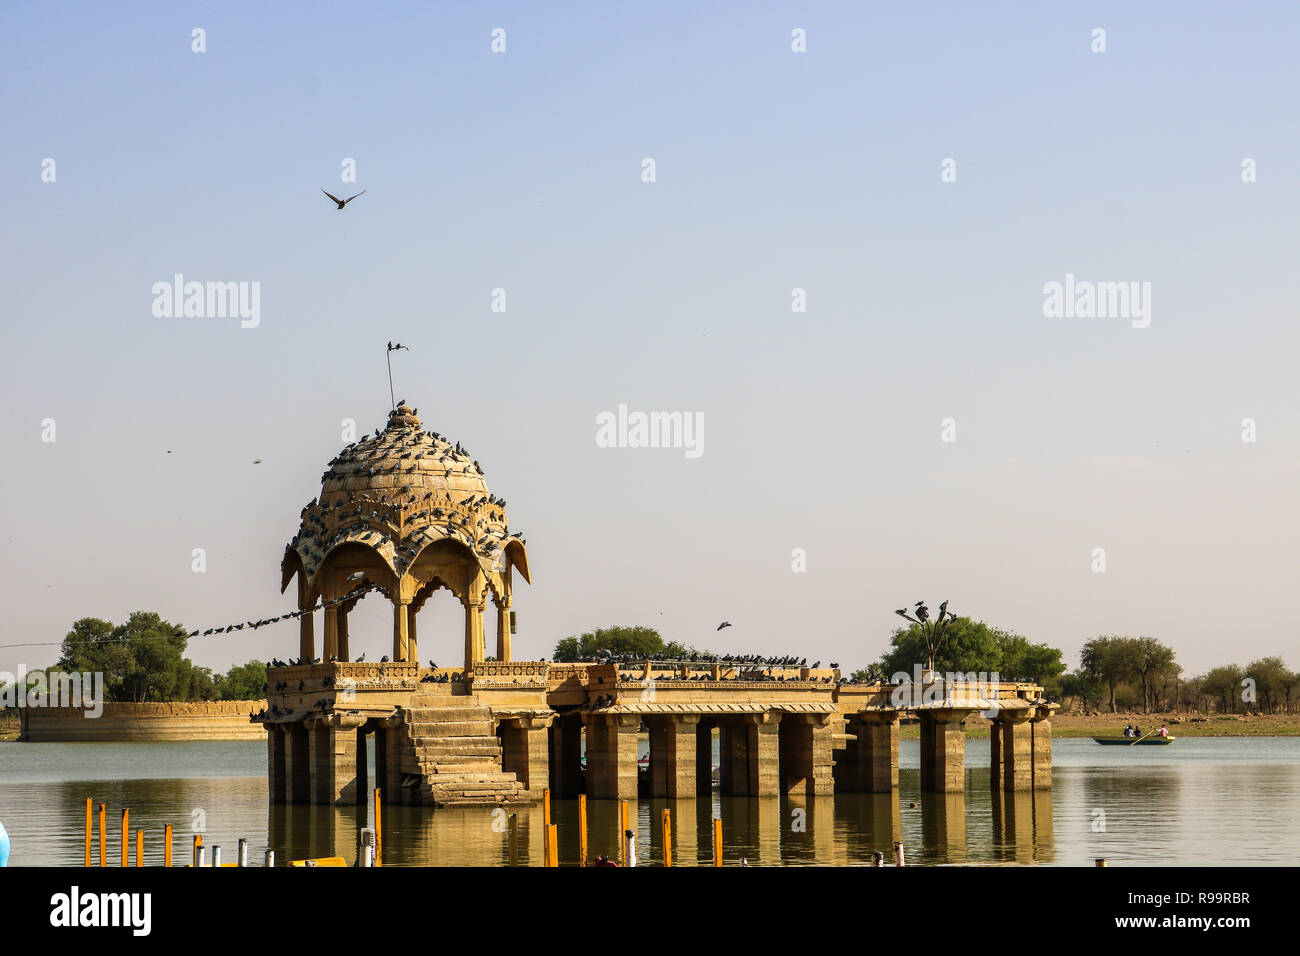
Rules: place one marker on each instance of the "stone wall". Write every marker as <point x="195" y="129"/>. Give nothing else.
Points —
<point x="202" y="720"/>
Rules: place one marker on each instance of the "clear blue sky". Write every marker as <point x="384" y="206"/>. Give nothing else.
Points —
<point x="775" y="170"/>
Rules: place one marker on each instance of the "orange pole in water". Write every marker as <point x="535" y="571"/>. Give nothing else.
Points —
<point x="668" y="838"/>
<point x="546" y="807"/>
<point x="198" y="845"/>
<point x="582" y="829"/>
<point x="139" y="848"/>
<point x="126" y="833"/>
<point x="89" y="826"/>
<point x="167" y="845"/>
<point x="552" y="848"/>
<point x="103" y="837"/>
<point x="717" y="841"/>
<point x="379" y="830"/>
<point x="622" y="829"/>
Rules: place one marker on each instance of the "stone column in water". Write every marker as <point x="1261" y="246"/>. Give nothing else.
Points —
<point x="566" y="756"/>
<point x="333" y="758"/>
<point x="1041" y="737"/>
<point x="943" y="749"/>
<point x="297" y="763"/>
<point x="877" y="733"/>
<point x="763" y="750"/>
<point x="672" y="755"/>
<point x="612" y="756"/>
<point x="525" y="751"/>
<point x="1015" y="752"/>
<point x="275" y="756"/>
<point x="806" y="742"/>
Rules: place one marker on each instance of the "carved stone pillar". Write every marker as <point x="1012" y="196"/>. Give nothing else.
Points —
<point x="503" y="629"/>
<point x="473" y="632"/>
<point x="401" y="636"/>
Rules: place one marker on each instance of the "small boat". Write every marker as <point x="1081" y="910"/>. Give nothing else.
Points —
<point x="1130" y="741"/>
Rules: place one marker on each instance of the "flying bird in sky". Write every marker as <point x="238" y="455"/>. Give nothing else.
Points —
<point x="343" y="202"/>
<point x="724" y="624"/>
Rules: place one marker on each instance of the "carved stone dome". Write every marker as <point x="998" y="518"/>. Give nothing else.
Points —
<point x="399" y="491"/>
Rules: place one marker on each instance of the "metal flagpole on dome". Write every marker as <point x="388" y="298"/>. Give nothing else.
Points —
<point x="392" y="396"/>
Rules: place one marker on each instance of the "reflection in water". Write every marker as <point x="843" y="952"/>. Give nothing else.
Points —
<point x="1212" y="804"/>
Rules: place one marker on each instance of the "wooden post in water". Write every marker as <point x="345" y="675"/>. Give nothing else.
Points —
<point x="241" y="858"/>
<point x="167" y="845"/>
<point x="668" y="837"/>
<point x="103" y="836"/>
<point x="89" y="821"/>
<point x="139" y="848"/>
<point x="379" y="830"/>
<point x="512" y="840"/>
<point x="629" y="839"/>
<point x="216" y="856"/>
<point x="1101" y="861"/>
<point x="717" y="841"/>
<point x="582" y="829"/>
<point x="269" y="860"/>
<point x="898" y="853"/>
<point x="126" y="833"/>
<point x="622" y="829"/>
<point x="552" y="845"/>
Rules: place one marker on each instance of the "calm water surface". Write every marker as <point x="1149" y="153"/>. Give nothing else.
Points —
<point x="1224" y="801"/>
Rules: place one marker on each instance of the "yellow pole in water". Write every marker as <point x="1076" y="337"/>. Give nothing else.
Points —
<point x="198" y="845"/>
<point x="622" y="829"/>
<point x="717" y="841"/>
<point x="552" y="849"/>
<point x="668" y="837"/>
<point x="379" y="830"/>
<point x="582" y="829"/>
<point x="546" y="807"/>
<point x="126" y="833"/>
<point x="167" y="845"/>
<point x="103" y="837"/>
<point x="89" y="826"/>
<point x="139" y="848"/>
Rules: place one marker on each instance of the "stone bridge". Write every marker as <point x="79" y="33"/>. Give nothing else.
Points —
<point x="502" y="731"/>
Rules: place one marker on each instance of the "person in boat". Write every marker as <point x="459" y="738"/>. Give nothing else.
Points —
<point x="1128" y="730"/>
<point x="1164" y="731"/>
<point x="603" y="860"/>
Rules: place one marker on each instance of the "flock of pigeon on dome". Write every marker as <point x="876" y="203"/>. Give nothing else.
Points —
<point x="399" y="524"/>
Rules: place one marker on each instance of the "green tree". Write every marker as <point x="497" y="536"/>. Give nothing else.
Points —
<point x="243" y="682"/>
<point x="1086" y="687"/>
<point x="1271" y="678"/>
<point x="1224" y="683"/>
<point x="1148" y="658"/>
<point x="1108" y="660"/>
<point x="621" y="640"/>
<point x="967" y="646"/>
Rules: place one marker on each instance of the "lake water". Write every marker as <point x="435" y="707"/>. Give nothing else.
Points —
<point x="1215" y="801"/>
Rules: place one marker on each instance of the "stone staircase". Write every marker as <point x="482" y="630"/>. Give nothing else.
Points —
<point x="451" y="747"/>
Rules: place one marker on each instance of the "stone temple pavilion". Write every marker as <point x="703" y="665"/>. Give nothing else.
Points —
<point x="403" y="513"/>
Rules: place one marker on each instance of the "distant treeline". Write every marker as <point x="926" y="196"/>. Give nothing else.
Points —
<point x="1115" y="673"/>
<point x="143" y="660"/>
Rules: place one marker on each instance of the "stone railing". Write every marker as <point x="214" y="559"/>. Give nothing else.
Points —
<point x="509" y="673"/>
